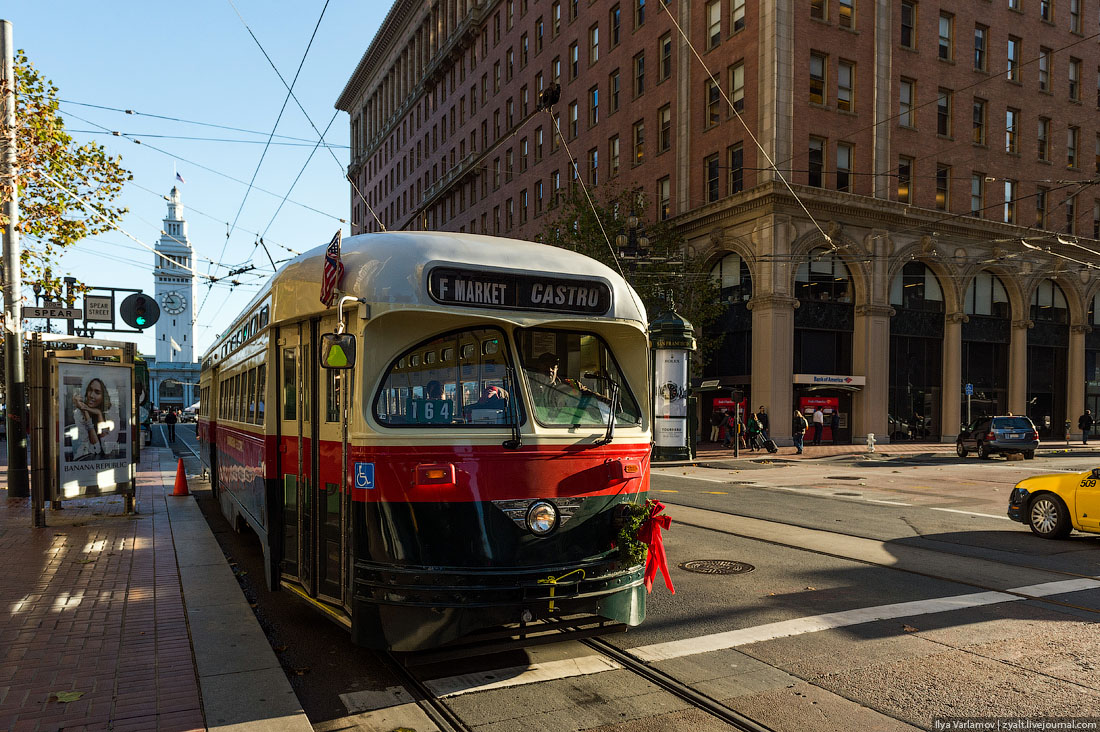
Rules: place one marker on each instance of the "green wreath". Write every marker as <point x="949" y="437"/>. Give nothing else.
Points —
<point x="632" y="552"/>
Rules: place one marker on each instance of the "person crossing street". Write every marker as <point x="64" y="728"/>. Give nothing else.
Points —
<point x="170" y="419"/>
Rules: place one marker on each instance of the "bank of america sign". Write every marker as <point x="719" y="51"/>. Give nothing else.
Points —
<point x="830" y="379"/>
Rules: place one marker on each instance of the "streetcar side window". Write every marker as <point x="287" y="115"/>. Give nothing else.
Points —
<point x="572" y="375"/>
<point x="461" y="379"/>
<point x="332" y="396"/>
<point x="290" y="381"/>
<point x="261" y="384"/>
<point x="251" y="396"/>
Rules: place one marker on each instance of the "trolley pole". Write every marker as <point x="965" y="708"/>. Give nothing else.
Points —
<point x="14" y="377"/>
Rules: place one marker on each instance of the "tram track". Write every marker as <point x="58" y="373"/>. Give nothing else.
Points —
<point x="434" y="707"/>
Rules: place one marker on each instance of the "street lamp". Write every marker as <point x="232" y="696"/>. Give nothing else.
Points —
<point x="632" y="242"/>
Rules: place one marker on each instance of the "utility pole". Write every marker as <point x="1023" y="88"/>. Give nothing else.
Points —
<point x="14" y="378"/>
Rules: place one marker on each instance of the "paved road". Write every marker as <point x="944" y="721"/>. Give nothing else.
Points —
<point x="884" y="593"/>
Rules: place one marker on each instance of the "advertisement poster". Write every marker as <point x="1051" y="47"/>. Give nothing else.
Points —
<point x="670" y="403"/>
<point x="94" y="412"/>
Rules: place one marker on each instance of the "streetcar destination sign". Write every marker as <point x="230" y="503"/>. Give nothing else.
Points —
<point x="481" y="289"/>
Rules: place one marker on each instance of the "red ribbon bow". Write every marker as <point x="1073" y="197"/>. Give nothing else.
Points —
<point x="650" y="535"/>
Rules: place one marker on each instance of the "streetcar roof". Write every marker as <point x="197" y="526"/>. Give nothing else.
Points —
<point x="390" y="271"/>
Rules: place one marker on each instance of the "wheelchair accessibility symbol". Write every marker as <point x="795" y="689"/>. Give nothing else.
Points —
<point x="364" y="475"/>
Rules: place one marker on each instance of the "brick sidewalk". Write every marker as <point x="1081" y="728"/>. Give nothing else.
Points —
<point x="93" y="604"/>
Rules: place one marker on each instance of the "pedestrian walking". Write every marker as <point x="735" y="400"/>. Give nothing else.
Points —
<point x="834" y="424"/>
<point x="170" y="419"/>
<point x="727" y="429"/>
<point x="1084" y="423"/>
<point x="754" y="432"/>
<point x="819" y="425"/>
<point x="798" y="429"/>
<point x="716" y="418"/>
<point x="762" y="418"/>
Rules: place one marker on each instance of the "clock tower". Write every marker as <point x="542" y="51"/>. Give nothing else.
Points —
<point x="175" y="287"/>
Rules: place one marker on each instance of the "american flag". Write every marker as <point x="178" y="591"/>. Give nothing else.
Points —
<point x="334" y="269"/>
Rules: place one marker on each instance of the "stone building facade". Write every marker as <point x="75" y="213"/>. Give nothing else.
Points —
<point x="895" y="195"/>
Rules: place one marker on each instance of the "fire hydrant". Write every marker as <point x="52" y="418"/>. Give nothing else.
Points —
<point x="870" y="442"/>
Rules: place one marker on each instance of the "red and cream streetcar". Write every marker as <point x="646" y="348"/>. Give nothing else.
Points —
<point x="452" y="464"/>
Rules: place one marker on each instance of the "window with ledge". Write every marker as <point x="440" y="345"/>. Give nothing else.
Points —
<point x="593" y="106"/>
<point x="613" y="87"/>
<point x="639" y="142"/>
<point x="1075" y="16"/>
<point x="943" y="113"/>
<point x="947" y="43"/>
<point x="817" y="78"/>
<point x="1071" y="214"/>
<point x="908" y="24"/>
<point x="943" y="186"/>
<point x="1073" y="135"/>
<point x="664" y="67"/>
<point x="712" y="99"/>
<point x="1041" y="207"/>
<point x="907" y="93"/>
<point x="816" y="169"/>
<point x="639" y="13"/>
<point x="735" y="166"/>
<point x="978" y="136"/>
<point x="711" y="177"/>
<point x="613" y="156"/>
<point x="737" y="86"/>
<point x="594" y="167"/>
<point x="847" y="17"/>
<point x="574" y="61"/>
<point x="905" y="179"/>
<point x="980" y="40"/>
<point x="737" y="15"/>
<point x="615" y="19"/>
<point x="1075" y="79"/>
<point x="845" y="85"/>
<point x="843" y="166"/>
<point x="1044" y="69"/>
<point x="819" y="9"/>
<point x="572" y="120"/>
<point x="593" y="44"/>
<point x="1042" y="139"/>
<point x="1046" y="10"/>
<point x="1012" y="72"/>
<point x="664" y="198"/>
<point x="1012" y="119"/>
<point x="1010" y="202"/>
<point x="664" y="128"/>
<point x="977" y="194"/>
<point x="714" y="23"/>
<point x="639" y="74"/>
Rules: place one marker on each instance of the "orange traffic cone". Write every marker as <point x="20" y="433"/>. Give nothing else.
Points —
<point x="181" y="481"/>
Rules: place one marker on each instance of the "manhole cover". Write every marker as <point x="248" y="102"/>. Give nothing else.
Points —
<point x="716" y="566"/>
<point x="740" y="482"/>
<point x="843" y="493"/>
<point x="843" y="477"/>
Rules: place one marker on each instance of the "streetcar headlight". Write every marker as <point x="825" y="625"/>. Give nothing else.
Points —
<point x="542" y="518"/>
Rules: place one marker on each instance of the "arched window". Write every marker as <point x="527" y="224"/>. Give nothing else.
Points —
<point x="1048" y="304"/>
<point x="824" y="276"/>
<point x="986" y="296"/>
<point x="916" y="288"/>
<point x="731" y="275"/>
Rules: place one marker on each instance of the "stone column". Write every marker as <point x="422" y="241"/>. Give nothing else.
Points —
<point x="952" y="408"/>
<point x="1075" y="378"/>
<point x="871" y="358"/>
<point x="1017" y="367"/>
<point x="773" y="361"/>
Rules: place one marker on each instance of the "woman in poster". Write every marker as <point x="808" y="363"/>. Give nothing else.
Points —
<point x="96" y="436"/>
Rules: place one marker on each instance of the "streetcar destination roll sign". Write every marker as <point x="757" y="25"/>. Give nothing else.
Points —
<point x="481" y="289"/>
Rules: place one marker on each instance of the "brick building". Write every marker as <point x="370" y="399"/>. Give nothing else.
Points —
<point x="895" y="194"/>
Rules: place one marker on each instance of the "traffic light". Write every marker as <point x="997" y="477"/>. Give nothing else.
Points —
<point x="139" y="311"/>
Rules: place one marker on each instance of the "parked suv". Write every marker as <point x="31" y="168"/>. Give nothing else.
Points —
<point x="989" y="435"/>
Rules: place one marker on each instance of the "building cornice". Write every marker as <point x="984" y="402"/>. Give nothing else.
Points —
<point x="371" y="62"/>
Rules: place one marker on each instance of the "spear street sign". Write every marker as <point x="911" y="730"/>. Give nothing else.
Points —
<point x="54" y="311"/>
<point x="100" y="309"/>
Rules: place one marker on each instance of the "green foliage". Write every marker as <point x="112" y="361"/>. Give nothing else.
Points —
<point x="51" y="219"/>
<point x="632" y="552"/>
<point x="669" y="275"/>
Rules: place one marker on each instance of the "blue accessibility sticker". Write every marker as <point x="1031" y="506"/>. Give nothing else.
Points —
<point x="364" y="475"/>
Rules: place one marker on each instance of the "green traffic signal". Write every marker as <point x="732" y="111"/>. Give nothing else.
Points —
<point x="139" y="311"/>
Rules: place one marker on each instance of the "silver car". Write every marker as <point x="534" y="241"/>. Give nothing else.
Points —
<point x="988" y="436"/>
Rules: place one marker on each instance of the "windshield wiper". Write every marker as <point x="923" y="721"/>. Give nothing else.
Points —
<point x="610" y="434"/>
<point x="513" y="411"/>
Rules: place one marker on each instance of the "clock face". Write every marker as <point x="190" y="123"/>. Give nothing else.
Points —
<point x="173" y="302"/>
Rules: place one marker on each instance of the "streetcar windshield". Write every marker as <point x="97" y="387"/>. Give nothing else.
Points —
<point x="460" y="379"/>
<point x="571" y="375"/>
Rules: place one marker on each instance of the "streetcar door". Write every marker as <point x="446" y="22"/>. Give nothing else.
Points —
<point x="332" y="502"/>
<point x="294" y="453"/>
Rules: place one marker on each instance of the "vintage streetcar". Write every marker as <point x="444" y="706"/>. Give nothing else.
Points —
<point x="452" y="466"/>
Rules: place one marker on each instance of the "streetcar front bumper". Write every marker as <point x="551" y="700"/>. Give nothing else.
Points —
<point x="412" y="608"/>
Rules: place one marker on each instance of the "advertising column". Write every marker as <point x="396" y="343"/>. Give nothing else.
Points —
<point x="672" y="340"/>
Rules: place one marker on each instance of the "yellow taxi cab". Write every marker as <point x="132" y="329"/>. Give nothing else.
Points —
<point x="1054" y="505"/>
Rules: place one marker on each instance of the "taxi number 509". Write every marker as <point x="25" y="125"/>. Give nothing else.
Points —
<point x="1088" y="483"/>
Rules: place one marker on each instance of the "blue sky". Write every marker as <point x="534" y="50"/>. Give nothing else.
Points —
<point x="196" y="61"/>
